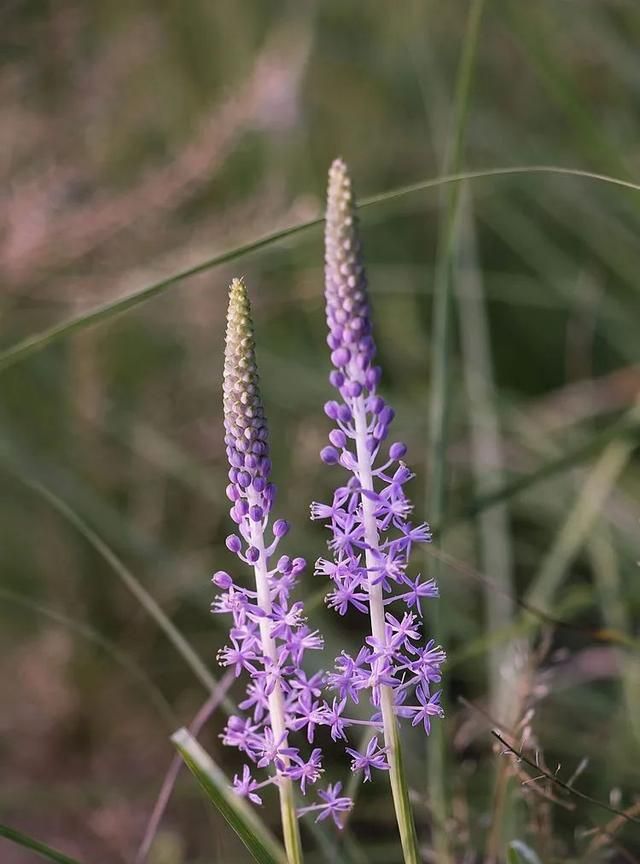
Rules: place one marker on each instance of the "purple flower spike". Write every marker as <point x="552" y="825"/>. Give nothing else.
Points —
<point x="269" y="635"/>
<point x="371" y="535"/>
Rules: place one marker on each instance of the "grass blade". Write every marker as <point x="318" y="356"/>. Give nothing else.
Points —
<point x="36" y="342"/>
<point x="247" y="825"/>
<point x="626" y="427"/>
<point x="131" y="582"/>
<point x="487" y="456"/>
<point x="36" y="846"/>
<point x="607" y="580"/>
<point x="519" y="853"/>
<point x="492" y="530"/>
<point x="136" y="672"/>
<point x="439" y="400"/>
<point x="577" y="526"/>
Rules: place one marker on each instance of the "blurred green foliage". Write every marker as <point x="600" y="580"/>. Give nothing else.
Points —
<point x="141" y="139"/>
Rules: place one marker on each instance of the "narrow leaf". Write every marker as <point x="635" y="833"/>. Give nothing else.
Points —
<point x="519" y="853"/>
<point x="130" y="581"/>
<point x="37" y="341"/>
<point x="625" y="427"/>
<point x="35" y="845"/>
<point x="248" y="826"/>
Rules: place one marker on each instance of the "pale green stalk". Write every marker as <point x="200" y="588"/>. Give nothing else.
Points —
<point x="399" y="789"/>
<point x="290" y="827"/>
<point x="439" y="403"/>
<point x="493" y="525"/>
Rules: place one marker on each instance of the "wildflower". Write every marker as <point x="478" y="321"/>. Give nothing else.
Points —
<point x="306" y="771"/>
<point x="246" y="786"/>
<point x="372" y="536"/>
<point x="373" y="757"/>
<point x="333" y="804"/>
<point x="429" y="707"/>
<point x="268" y="636"/>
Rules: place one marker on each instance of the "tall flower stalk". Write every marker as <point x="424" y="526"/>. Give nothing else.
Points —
<point x="372" y="537"/>
<point x="269" y="636"/>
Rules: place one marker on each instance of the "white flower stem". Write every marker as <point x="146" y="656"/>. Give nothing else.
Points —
<point x="290" y="827"/>
<point x="399" y="789"/>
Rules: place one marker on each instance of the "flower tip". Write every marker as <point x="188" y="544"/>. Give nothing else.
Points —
<point x="237" y="285"/>
<point x="238" y="295"/>
<point x="338" y="166"/>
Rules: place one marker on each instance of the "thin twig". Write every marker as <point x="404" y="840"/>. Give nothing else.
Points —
<point x="606" y="832"/>
<point x="558" y="782"/>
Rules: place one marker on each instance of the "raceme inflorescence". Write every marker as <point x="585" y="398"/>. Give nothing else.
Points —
<point x="269" y="635"/>
<point x="372" y="536"/>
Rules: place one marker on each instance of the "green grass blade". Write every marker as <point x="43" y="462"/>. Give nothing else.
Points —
<point x="36" y="846"/>
<point x="136" y="672"/>
<point x="131" y="582"/>
<point x="626" y="427"/>
<point x="519" y="853"/>
<point x="239" y="816"/>
<point x="439" y="400"/>
<point x="605" y="567"/>
<point x="108" y="310"/>
<point x="577" y="526"/>
<point x="486" y="446"/>
<point x="36" y="342"/>
<point x="492" y="533"/>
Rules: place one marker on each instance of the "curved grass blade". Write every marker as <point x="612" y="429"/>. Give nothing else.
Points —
<point x="578" y="524"/>
<point x="135" y="671"/>
<point x="519" y="853"/>
<point x="36" y="846"/>
<point x="625" y="427"/>
<point x="439" y="400"/>
<point x="248" y="826"/>
<point x="115" y="307"/>
<point x="131" y="582"/>
<point x="36" y="342"/>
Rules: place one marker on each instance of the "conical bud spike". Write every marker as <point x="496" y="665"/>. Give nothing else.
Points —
<point x="347" y="303"/>
<point x="244" y="419"/>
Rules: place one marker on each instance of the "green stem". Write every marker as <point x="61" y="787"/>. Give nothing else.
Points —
<point x="399" y="789"/>
<point x="290" y="827"/>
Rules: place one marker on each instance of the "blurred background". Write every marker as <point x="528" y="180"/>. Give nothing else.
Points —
<point x="141" y="139"/>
